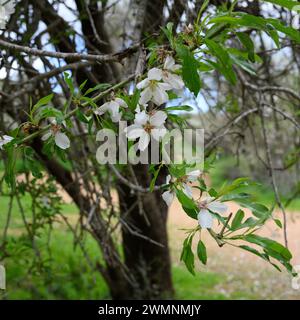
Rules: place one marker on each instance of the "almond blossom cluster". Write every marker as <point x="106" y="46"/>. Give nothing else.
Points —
<point x="154" y="88"/>
<point x="150" y="124"/>
<point x="207" y="206"/>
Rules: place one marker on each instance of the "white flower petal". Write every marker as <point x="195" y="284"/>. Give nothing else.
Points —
<point x="141" y="118"/>
<point x="187" y="190"/>
<point x="102" y="109"/>
<point x="173" y="80"/>
<point x="158" y="118"/>
<point x="138" y="109"/>
<point x="217" y="206"/>
<point x="62" y="140"/>
<point x="168" y="197"/>
<point x="168" y="179"/>
<point x="164" y="86"/>
<point x="176" y="67"/>
<point x="193" y="175"/>
<point x="113" y="107"/>
<point x="155" y="74"/>
<point x="205" y="219"/>
<point x="116" y="117"/>
<point x="143" y="84"/>
<point x="121" y="102"/>
<point x="158" y="133"/>
<point x="134" y="131"/>
<point x="169" y="63"/>
<point x="146" y="96"/>
<point x="4" y="140"/>
<point x="159" y="96"/>
<point x="144" y="140"/>
<point x="46" y="136"/>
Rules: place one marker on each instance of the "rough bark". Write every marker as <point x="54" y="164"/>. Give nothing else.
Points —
<point x="148" y="261"/>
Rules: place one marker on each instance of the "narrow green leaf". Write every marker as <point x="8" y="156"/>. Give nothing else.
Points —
<point x="201" y="251"/>
<point x="248" y="44"/>
<point x="187" y="255"/>
<point x="289" y="4"/>
<point x="237" y="220"/>
<point x="224" y="59"/>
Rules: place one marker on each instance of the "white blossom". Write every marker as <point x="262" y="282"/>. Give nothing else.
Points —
<point x="205" y="218"/>
<point x="4" y="140"/>
<point x="184" y="181"/>
<point x="60" y="138"/>
<point x="168" y="75"/>
<point x="146" y="126"/>
<point x="7" y="8"/>
<point x="187" y="179"/>
<point x="168" y="195"/>
<point x="153" y="89"/>
<point x="113" y="107"/>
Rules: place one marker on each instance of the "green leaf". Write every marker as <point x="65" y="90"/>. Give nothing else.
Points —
<point x="69" y="82"/>
<point x="248" y="44"/>
<point x="243" y="64"/>
<point x="289" y="4"/>
<point x="237" y="220"/>
<point x="259" y="254"/>
<point x="236" y="184"/>
<point x="259" y="210"/>
<point x="82" y="117"/>
<point x="224" y="59"/>
<point x="259" y="23"/>
<point x="31" y="161"/>
<point x="152" y="184"/>
<point x="100" y="86"/>
<point x="50" y="112"/>
<point x="216" y="30"/>
<point x="278" y="223"/>
<point x="168" y="31"/>
<point x="179" y="108"/>
<point x="189" y="68"/>
<point x="289" y="31"/>
<point x="236" y="196"/>
<point x="185" y="200"/>
<point x="82" y="85"/>
<point x="10" y="165"/>
<point x="201" y="251"/>
<point x="42" y="102"/>
<point x="270" y="245"/>
<point x="187" y="255"/>
<point x="212" y="192"/>
<point x="192" y="213"/>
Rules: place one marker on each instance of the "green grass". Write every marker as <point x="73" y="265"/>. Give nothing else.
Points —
<point x="198" y="287"/>
<point x="70" y="276"/>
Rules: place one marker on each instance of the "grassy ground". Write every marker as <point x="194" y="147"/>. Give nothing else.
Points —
<point x="70" y="276"/>
<point x="67" y="275"/>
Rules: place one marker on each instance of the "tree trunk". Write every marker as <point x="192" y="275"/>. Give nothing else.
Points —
<point x="145" y="241"/>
